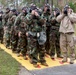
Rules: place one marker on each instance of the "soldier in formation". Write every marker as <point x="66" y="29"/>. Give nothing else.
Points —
<point x="67" y="19"/>
<point x="52" y="27"/>
<point x="14" y="34"/>
<point x="22" y="38"/>
<point x="35" y="32"/>
<point x="5" y="27"/>
<point x="35" y="26"/>
<point x="1" y="27"/>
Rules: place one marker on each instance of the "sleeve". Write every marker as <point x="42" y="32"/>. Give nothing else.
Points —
<point x="13" y="18"/>
<point x="4" y="20"/>
<point x="72" y="17"/>
<point x="43" y="23"/>
<point x="28" y="19"/>
<point x="17" y="21"/>
<point x="60" y="17"/>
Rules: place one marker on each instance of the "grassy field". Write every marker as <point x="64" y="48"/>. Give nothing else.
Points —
<point x="8" y="65"/>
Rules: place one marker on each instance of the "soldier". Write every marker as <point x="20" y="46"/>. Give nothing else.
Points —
<point x="46" y="15"/>
<point x="47" y="12"/>
<point x="14" y="34"/>
<point x="67" y="19"/>
<point x="14" y="39"/>
<point x="54" y="33"/>
<point x="22" y="41"/>
<point x="1" y="27"/>
<point x="10" y="23"/>
<point x="5" y="24"/>
<point x="51" y="31"/>
<point x="35" y="26"/>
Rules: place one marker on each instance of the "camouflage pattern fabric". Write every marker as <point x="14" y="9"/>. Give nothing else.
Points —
<point x="35" y="27"/>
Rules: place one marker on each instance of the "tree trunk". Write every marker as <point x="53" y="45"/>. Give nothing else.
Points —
<point x="17" y="4"/>
<point x="52" y="4"/>
<point x="46" y="1"/>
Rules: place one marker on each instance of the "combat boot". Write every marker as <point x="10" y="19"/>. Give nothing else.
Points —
<point x="13" y="51"/>
<point x="64" y="57"/>
<point x="52" y="57"/>
<point x="25" y="58"/>
<point x="72" y="58"/>
<point x="44" y="64"/>
<point x="30" y="60"/>
<point x="60" y="56"/>
<point x="35" y="65"/>
<point x="1" y="41"/>
<point x="64" y="60"/>
<point x="18" y="55"/>
<point x="71" y="61"/>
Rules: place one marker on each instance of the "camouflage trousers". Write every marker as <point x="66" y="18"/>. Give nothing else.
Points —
<point x="8" y="39"/>
<point x="36" y="50"/>
<point x="54" y="43"/>
<point x="1" y="35"/>
<point x="22" y="45"/>
<point x="41" y="51"/>
<point x="47" y="45"/>
<point x="4" y="36"/>
<point x="14" y="42"/>
<point x="7" y="36"/>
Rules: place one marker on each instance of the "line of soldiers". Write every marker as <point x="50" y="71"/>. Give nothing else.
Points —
<point x="33" y="31"/>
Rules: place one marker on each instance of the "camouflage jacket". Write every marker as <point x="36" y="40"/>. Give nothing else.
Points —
<point x="35" y="24"/>
<point x="11" y="20"/>
<point x="20" y="20"/>
<point x="1" y="21"/>
<point x="51" y="21"/>
<point x="5" y="19"/>
<point x="22" y="32"/>
<point x="47" y="19"/>
<point x="20" y="25"/>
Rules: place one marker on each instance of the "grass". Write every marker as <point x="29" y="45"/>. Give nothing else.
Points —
<point x="8" y="65"/>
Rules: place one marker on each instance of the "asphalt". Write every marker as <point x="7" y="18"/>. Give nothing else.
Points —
<point x="59" y="70"/>
<point x="24" y="71"/>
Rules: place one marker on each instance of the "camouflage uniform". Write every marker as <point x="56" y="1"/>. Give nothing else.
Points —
<point x="10" y="23"/>
<point x="5" y="24"/>
<point x="54" y="33"/>
<point x="1" y="28"/>
<point x="14" y="38"/>
<point x="52" y="28"/>
<point x="47" y="18"/>
<point x="13" y="34"/>
<point x="35" y="26"/>
<point x="22" y="41"/>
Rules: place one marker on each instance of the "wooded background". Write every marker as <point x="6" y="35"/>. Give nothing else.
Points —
<point x="20" y="3"/>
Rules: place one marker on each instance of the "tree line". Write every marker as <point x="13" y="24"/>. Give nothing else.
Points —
<point x="18" y="3"/>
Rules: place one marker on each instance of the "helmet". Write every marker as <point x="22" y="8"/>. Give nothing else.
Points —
<point x="13" y="10"/>
<point x="67" y="6"/>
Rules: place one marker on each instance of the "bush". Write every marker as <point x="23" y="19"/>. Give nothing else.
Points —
<point x="73" y="6"/>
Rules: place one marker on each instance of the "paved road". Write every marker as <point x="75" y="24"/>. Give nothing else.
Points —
<point x="60" y="70"/>
<point x="24" y="71"/>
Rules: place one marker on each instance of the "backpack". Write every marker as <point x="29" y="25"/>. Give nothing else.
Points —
<point x="42" y="38"/>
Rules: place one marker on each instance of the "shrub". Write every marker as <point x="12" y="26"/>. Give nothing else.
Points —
<point x="73" y="6"/>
